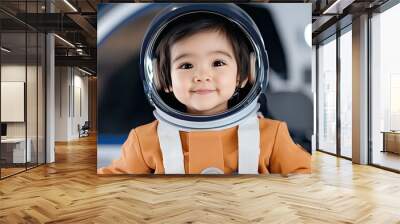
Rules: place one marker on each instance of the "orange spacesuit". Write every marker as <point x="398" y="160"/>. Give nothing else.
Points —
<point x="141" y="153"/>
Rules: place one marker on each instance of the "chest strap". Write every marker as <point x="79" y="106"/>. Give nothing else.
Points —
<point x="248" y="147"/>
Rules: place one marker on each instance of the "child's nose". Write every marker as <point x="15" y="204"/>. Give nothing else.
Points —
<point x="203" y="75"/>
<point x="202" y="78"/>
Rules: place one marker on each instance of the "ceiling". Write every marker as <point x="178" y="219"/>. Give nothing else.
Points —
<point x="73" y="21"/>
<point x="76" y="22"/>
<point x="329" y="16"/>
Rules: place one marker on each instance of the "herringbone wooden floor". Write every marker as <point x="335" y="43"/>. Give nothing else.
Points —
<point x="69" y="191"/>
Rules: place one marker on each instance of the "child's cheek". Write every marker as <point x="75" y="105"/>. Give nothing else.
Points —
<point x="180" y="86"/>
<point x="182" y="81"/>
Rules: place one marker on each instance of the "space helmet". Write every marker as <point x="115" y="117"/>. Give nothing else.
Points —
<point x="167" y="108"/>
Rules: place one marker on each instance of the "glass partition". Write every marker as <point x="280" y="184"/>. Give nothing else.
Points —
<point x="327" y="96"/>
<point x="31" y="100"/>
<point x="32" y="86"/>
<point x="41" y="109"/>
<point x="23" y="91"/>
<point x="13" y="105"/>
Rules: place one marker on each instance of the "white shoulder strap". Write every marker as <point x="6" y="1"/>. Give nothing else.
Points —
<point x="249" y="145"/>
<point x="171" y="148"/>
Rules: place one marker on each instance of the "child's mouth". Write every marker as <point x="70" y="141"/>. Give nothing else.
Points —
<point x="203" y="91"/>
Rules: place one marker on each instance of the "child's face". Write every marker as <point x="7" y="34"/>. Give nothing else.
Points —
<point x="203" y="72"/>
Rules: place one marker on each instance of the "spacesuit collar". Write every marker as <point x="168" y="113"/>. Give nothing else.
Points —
<point x="219" y="124"/>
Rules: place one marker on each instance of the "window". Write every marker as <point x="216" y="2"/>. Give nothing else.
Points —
<point x="346" y="93"/>
<point x="385" y="88"/>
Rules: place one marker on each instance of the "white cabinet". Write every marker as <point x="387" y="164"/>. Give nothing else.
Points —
<point x="17" y="146"/>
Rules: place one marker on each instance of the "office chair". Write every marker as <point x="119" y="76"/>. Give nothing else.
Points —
<point x="84" y="130"/>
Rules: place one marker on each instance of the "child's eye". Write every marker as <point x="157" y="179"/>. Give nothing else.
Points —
<point x="186" y="66"/>
<point x="218" y="63"/>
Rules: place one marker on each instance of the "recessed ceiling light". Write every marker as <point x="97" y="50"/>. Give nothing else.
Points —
<point x="5" y="50"/>
<point x="64" y="40"/>
<point x="70" y="5"/>
<point x="84" y="71"/>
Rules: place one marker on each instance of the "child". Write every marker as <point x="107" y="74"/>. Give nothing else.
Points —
<point x="203" y="66"/>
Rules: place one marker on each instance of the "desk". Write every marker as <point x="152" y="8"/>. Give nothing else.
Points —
<point x="15" y="148"/>
<point x="391" y="141"/>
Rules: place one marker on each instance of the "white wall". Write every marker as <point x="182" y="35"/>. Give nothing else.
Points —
<point x="61" y="103"/>
<point x="71" y="93"/>
<point x="80" y="102"/>
<point x="16" y="72"/>
<point x="13" y="72"/>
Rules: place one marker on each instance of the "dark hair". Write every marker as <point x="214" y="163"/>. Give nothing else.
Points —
<point x="189" y="25"/>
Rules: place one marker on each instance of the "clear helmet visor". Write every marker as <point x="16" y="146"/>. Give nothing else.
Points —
<point x="182" y="21"/>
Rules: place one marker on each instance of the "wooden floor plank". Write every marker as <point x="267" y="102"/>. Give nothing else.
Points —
<point x="69" y="191"/>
